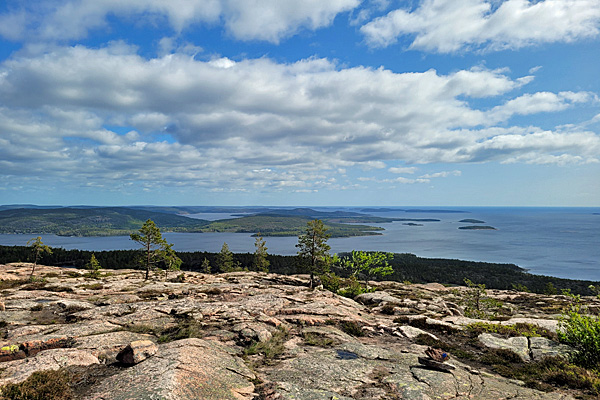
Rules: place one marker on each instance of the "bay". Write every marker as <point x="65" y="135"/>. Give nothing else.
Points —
<point x="561" y="242"/>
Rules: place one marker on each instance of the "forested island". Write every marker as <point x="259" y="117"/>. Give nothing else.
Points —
<point x="121" y="221"/>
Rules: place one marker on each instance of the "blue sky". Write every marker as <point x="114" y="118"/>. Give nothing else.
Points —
<point x="290" y="102"/>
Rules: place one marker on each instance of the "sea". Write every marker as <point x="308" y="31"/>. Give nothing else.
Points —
<point x="560" y="242"/>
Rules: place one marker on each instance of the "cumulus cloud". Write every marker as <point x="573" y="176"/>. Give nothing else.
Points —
<point x="269" y="20"/>
<point x="256" y="123"/>
<point x="447" y="26"/>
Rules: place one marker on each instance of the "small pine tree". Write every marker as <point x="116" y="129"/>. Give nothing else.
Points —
<point x="261" y="263"/>
<point x="225" y="259"/>
<point x="94" y="267"/>
<point x="205" y="266"/>
<point x="38" y="247"/>
<point x="171" y="260"/>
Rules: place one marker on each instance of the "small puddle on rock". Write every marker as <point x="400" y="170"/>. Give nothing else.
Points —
<point x="346" y="355"/>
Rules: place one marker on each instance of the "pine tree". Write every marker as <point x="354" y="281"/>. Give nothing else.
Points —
<point x="171" y="260"/>
<point x="261" y="263"/>
<point x="154" y="245"/>
<point x="38" y="247"/>
<point x="94" y="267"/>
<point x="314" y="250"/>
<point x="205" y="266"/>
<point x="225" y="259"/>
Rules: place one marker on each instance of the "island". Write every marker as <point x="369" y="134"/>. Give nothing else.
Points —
<point x="477" y="228"/>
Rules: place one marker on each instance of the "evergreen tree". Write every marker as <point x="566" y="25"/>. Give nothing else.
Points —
<point x="94" y="267"/>
<point x="261" y="263"/>
<point x="38" y="247"/>
<point x="154" y="245"/>
<point x="368" y="264"/>
<point x="314" y="250"/>
<point x="225" y="259"/>
<point x="205" y="266"/>
<point x="172" y="262"/>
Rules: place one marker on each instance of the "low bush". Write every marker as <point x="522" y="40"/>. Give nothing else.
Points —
<point x="582" y="332"/>
<point x="41" y="385"/>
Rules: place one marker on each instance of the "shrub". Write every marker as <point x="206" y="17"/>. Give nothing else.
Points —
<point x="41" y="385"/>
<point x="352" y="328"/>
<point x="582" y="332"/>
<point x="477" y="304"/>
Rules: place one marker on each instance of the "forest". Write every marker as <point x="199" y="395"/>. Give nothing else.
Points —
<point x="407" y="268"/>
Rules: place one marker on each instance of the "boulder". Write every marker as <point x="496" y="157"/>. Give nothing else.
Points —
<point x="541" y="347"/>
<point x="137" y="351"/>
<point x="518" y="345"/>
<point x="377" y="297"/>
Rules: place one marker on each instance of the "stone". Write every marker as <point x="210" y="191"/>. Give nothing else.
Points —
<point x="377" y="297"/>
<point x="519" y="344"/>
<point x="542" y="347"/>
<point x="411" y="332"/>
<point x="137" y="351"/>
<point x="442" y="366"/>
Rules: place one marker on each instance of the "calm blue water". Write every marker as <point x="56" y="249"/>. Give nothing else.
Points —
<point x="562" y="242"/>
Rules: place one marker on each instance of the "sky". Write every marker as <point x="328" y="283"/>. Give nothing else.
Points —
<point x="300" y="102"/>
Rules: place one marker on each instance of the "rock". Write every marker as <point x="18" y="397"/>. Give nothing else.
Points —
<point x="519" y="344"/>
<point x="541" y="347"/>
<point x="441" y="366"/>
<point x="107" y="346"/>
<point x="186" y="369"/>
<point x="411" y="332"/>
<point x="377" y="297"/>
<point x="19" y="370"/>
<point x="137" y="352"/>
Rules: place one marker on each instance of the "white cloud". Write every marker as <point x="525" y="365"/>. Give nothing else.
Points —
<point x="443" y="174"/>
<point x="270" y="20"/>
<point x="448" y="26"/>
<point x="256" y="123"/>
<point x="403" y="170"/>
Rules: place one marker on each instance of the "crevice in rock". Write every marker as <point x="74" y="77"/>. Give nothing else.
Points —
<point x="416" y="378"/>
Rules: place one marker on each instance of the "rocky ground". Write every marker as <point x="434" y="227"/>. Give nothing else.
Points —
<point x="248" y="335"/>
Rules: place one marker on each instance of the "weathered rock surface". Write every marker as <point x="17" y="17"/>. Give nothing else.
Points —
<point x="325" y="346"/>
<point x="19" y="370"/>
<point x="185" y="369"/>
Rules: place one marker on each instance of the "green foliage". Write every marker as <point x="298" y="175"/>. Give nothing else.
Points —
<point x="519" y="329"/>
<point x="313" y="249"/>
<point x="38" y="248"/>
<point x="549" y="289"/>
<point x="205" y="266"/>
<point x="156" y="248"/>
<point x="94" y="267"/>
<point x="261" y="262"/>
<point x="314" y="339"/>
<point x="280" y="225"/>
<point x="352" y="328"/>
<point x="519" y="287"/>
<point x="352" y="288"/>
<point x="225" y="259"/>
<point x="100" y="221"/>
<point x="369" y="264"/>
<point x="270" y="349"/>
<point x="582" y="332"/>
<point x="477" y="304"/>
<point x="41" y="385"/>
<point x="170" y="259"/>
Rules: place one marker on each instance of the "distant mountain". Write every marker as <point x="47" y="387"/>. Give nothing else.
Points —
<point x="100" y="221"/>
